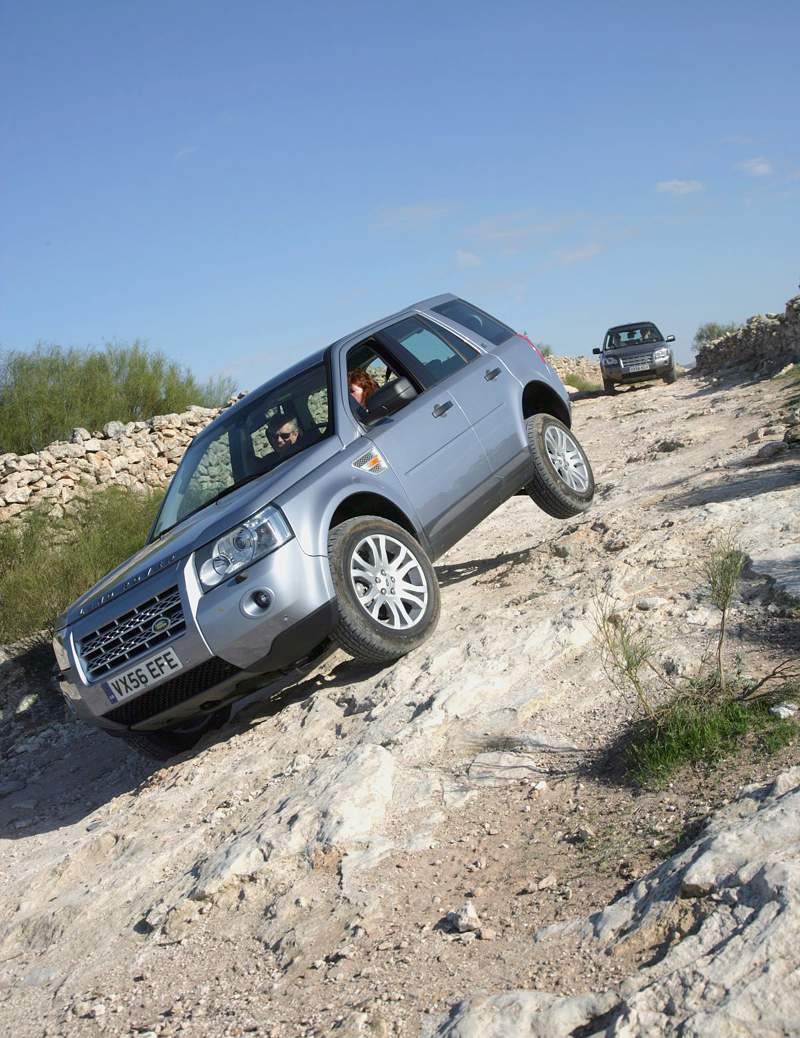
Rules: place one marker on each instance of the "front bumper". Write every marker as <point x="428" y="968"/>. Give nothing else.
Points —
<point x="225" y="648"/>
<point x="623" y="374"/>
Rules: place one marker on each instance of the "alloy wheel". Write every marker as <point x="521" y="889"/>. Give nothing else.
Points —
<point x="389" y="582"/>
<point x="566" y="458"/>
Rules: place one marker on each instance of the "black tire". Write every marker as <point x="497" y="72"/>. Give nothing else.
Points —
<point x="360" y="634"/>
<point x="549" y="489"/>
<point x="164" y="743"/>
<point x="609" y="387"/>
<point x="670" y="376"/>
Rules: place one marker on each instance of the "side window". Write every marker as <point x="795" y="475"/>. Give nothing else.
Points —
<point x="434" y="358"/>
<point x="469" y="316"/>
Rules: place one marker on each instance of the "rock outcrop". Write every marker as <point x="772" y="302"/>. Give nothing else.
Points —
<point x="720" y="923"/>
<point x="762" y="346"/>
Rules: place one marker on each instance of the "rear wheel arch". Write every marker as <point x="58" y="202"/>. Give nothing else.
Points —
<point x="539" y="398"/>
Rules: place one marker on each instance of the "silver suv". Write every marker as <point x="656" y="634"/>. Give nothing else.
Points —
<point x="635" y="353"/>
<point x="307" y="516"/>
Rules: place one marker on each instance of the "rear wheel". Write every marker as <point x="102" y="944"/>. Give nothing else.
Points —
<point x="387" y="593"/>
<point x="563" y="482"/>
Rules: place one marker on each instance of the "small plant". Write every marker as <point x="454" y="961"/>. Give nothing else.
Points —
<point x="695" y="729"/>
<point x="624" y="653"/>
<point x="722" y="570"/>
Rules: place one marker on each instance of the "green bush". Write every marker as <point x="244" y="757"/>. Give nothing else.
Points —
<point x="694" y="730"/>
<point x="47" y="563"/>
<point x="711" y="330"/>
<point x="583" y="385"/>
<point x="46" y="393"/>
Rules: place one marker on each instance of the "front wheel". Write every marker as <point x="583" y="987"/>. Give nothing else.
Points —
<point x="670" y="376"/>
<point x="563" y="482"/>
<point x="609" y="387"/>
<point x="387" y="593"/>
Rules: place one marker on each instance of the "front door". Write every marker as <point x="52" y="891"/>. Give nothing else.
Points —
<point x="431" y="446"/>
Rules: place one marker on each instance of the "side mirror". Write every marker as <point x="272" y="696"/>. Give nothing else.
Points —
<point x="670" y="338"/>
<point x="389" y="398"/>
<point x="596" y="350"/>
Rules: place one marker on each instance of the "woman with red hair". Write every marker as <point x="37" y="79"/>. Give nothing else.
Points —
<point x="361" y="386"/>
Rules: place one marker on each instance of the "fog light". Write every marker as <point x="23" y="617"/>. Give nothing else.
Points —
<point x="255" y="603"/>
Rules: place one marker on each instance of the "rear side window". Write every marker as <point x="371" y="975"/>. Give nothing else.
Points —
<point x="475" y="320"/>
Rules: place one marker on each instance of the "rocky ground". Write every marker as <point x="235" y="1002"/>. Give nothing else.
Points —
<point x="446" y="846"/>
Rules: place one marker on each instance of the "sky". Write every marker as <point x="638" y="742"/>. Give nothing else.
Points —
<point x="239" y="184"/>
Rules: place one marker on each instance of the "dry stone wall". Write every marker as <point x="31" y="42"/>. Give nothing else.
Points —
<point x="765" y="345"/>
<point x="132" y="454"/>
<point x="589" y="370"/>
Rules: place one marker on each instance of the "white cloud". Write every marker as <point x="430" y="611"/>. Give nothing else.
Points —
<point x="185" y="153"/>
<point x="413" y="216"/>
<point x="679" y="187"/>
<point x="580" y="252"/>
<point x="512" y="231"/>
<point x="466" y="260"/>
<point x="758" y="167"/>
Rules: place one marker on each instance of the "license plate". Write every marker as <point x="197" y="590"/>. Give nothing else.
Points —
<point x="149" y="672"/>
<point x="638" y="367"/>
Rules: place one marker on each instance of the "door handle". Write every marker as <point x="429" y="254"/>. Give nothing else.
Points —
<point x="492" y="373"/>
<point x="442" y="409"/>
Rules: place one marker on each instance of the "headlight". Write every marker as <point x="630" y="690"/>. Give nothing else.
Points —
<point x="661" y="354"/>
<point x="253" y="539"/>
<point x="609" y="362"/>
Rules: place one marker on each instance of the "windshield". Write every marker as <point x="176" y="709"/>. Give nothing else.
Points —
<point x="632" y="335"/>
<point x="252" y="441"/>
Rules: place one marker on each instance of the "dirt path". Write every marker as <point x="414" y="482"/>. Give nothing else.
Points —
<point x="291" y="878"/>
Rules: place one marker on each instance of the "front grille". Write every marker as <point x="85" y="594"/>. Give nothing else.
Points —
<point x="171" y="693"/>
<point x="641" y="363"/>
<point x="131" y="635"/>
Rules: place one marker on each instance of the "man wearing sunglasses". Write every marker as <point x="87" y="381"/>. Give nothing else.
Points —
<point x="284" y="433"/>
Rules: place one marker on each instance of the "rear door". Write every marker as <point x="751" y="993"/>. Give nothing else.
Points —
<point x="491" y="398"/>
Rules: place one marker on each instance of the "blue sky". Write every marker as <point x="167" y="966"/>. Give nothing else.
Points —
<point x="239" y="184"/>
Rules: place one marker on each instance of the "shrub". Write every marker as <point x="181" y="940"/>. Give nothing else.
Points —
<point x="711" y="330"/>
<point x="722" y="568"/>
<point x="583" y="385"/>
<point x="46" y="393"/>
<point x="47" y="563"/>
<point x="695" y="730"/>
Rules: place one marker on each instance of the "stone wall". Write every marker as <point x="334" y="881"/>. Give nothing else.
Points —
<point x="580" y="366"/>
<point x="766" y="344"/>
<point x="133" y="454"/>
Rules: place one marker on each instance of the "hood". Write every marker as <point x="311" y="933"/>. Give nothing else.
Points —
<point x="198" y="529"/>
